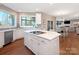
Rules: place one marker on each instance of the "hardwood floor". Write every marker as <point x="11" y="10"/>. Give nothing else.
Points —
<point x="68" y="46"/>
<point x="15" y="48"/>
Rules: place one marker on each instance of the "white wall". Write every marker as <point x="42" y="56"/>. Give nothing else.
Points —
<point x="45" y="18"/>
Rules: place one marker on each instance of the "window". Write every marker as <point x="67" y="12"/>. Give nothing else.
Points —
<point x="27" y="21"/>
<point x="7" y="19"/>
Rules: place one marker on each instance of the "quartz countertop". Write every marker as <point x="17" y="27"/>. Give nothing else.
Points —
<point x="4" y="30"/>
<point x="47" y="35"/>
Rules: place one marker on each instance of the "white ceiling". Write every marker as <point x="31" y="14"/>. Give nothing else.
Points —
<point x="56" y="9"/>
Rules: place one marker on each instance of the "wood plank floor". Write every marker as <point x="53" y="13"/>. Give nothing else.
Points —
<point x="68" y="46"/>
<point x="15" y="48"/>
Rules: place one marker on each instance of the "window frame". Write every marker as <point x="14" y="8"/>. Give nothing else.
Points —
<point x="21" y="20"/>
<point x="15" y="17"/>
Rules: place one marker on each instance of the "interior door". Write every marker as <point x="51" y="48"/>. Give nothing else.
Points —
<point x="50" y="25"/>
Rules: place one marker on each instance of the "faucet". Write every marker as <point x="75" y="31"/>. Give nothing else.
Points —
<point x="36" y="25"/>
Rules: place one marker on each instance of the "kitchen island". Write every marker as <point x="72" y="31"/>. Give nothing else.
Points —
<point x="42" y="42"/>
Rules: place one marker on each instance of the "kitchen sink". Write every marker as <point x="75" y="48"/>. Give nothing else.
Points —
<point x="37" y="32"/>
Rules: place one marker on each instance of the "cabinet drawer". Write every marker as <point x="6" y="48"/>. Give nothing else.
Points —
<point x="43" y="41"/>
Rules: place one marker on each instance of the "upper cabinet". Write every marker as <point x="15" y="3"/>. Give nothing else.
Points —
<point x="38" y="18"/>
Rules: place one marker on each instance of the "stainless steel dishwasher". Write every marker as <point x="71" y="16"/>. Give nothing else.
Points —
<point x="8" y="37"/>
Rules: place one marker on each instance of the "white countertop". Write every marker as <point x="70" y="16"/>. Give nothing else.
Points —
<point x="4" y="30"/>
<point x="35" y="30"/>
<point x="47" y="35"/>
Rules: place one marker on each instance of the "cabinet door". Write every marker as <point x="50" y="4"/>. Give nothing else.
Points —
<point x="14" y="35"/>
<point x="17" y="34"/>
<point x="35" y="44"/>
<point x="1" y="39"/>
<point x="55" y="46"/>
<point x="26" y="39"/>
<point x="47" y="47"/>
<point x="29" y="41"/>
<point x="20" y="33"/>
<point x="42" y="46"/>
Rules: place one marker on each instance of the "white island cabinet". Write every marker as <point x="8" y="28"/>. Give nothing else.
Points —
<point x="42" y="44"/>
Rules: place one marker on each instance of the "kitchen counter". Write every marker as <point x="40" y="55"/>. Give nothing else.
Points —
<point x="47" y="34"/>
<point x="42" y="42"/>
<point x="17" y="33"/>
<point x="4" y="30"/>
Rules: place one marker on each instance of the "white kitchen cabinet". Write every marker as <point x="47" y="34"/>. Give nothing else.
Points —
<point x="18" y="33"/>
<point x="31" y="42"/>
<point x="35" y="44"/>
<point x="26" y="42"/>
<point x="4" y="37"/>
<point x="1" y="39"/>
<point x="77" y="30"/>
<point x="41" y="46"/>
<point x="47" y="47"/>
<point x="38" y="18"/>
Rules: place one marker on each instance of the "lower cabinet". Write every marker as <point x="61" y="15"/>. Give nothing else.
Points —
<point x="31" y="42"/>
<point x="77" y="30"/>
<point x="35" y="44"/>
<point x="18" y="33"/>
<point x="41" y="46"/>
<point x="1" y="39"/>
<point x="8" y="35"/>
<point x="47" y="47"/>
